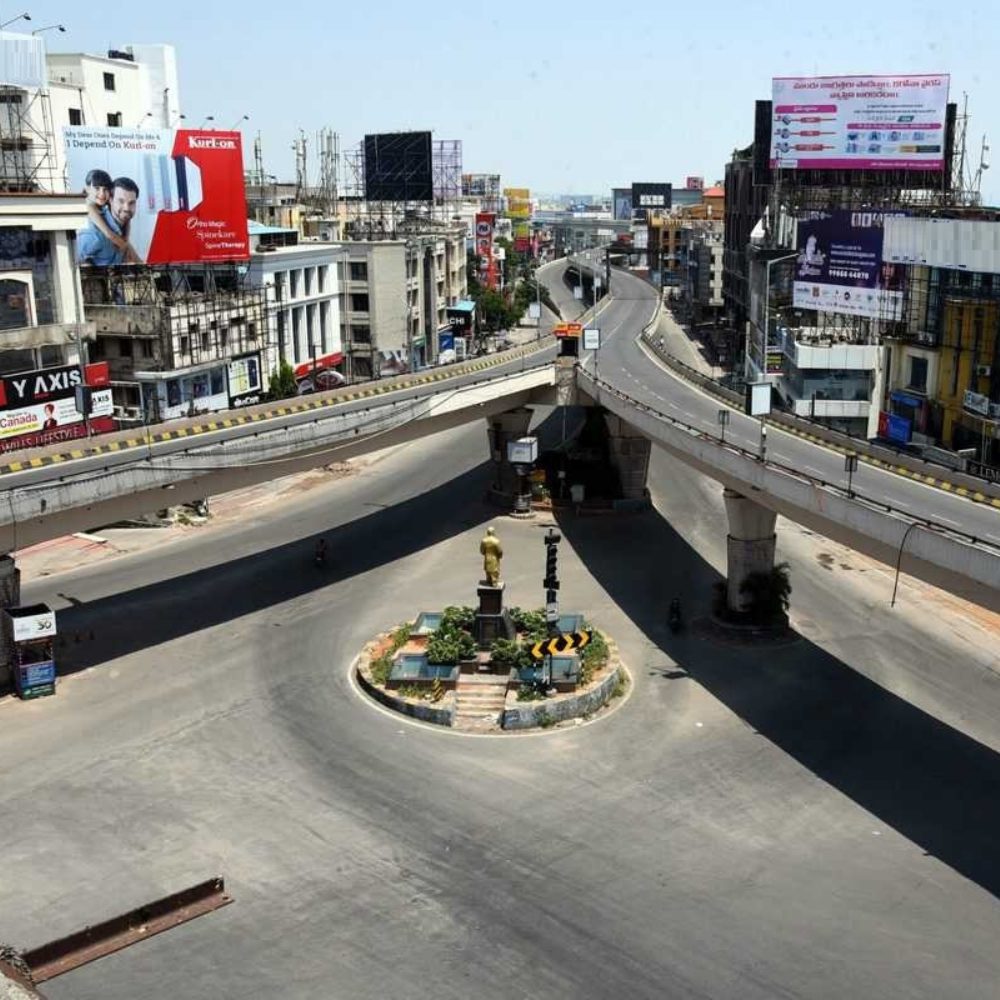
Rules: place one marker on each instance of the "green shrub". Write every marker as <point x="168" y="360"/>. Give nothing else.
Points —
<point x="382" y="666"/>
<point x="531" y="624"/>
<point x="509" y="654"/>
<point x="528" y="692"/>
<point x="452" y="641"/>
<point x="595" y="655"/>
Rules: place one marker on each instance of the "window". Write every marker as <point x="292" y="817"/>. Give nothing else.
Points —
<point x="322" y="276"/>
<point x="918" y="373"/>
<point x="204" y="342"/>
<point x="109" y="81"/>
<point x="251" y="331"/>
<point x="361" y="334"/>
<point x="185" y="345"/>
<point x="359" y="302"/>
<point x="223" y="338"/>
<point x="309" y="273"/>
<point x="75" y="116"/>
<point x="293" y="283"/>
<point x="115" y="119"/>
<point x="124" y="347"/>
<point x="217" y="376"/>
<point x="359" y="271"/>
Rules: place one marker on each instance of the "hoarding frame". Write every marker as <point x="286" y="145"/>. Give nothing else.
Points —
<point x="857" y="122"/>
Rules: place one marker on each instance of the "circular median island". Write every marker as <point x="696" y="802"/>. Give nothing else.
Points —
<point x="496" y="671"/>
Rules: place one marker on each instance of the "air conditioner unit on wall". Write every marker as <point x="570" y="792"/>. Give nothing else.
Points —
<point x="984" y="371"/>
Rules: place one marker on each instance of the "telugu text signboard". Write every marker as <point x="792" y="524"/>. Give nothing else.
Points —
<point x="859" y="122"/>
<point x="839" y="268"/>
<point x="156" y="196"/>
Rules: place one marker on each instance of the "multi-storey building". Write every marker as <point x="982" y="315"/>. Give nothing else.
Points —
<point x="395" y="298"/>
<point x="179" y="340"/>
<point x="301" y="284"/>
<point x="944" y="348"/>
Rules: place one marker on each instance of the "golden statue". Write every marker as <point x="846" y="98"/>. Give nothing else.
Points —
<point x="492" y="553"/>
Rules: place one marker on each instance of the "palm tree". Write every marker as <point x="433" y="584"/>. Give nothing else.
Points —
<point x="767" y="594"/>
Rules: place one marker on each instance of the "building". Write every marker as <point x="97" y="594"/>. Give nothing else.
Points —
<point x="746" y="197"/>
<point x="134" y="87"/>
<point x="944" y="347"/>
<point x="178" y="340"/>
<point x="396" y="294"/>
<point x="301" y="285"/>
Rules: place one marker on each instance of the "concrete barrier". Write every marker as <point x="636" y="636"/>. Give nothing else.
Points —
<point x="926" y="470"/>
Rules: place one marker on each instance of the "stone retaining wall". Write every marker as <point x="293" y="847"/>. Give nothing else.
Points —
<point x="531" y="714"/>
<point x="439" y="715"/>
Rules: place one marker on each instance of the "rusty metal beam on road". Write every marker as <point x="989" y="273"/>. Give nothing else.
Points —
<point x="57" y="957"/>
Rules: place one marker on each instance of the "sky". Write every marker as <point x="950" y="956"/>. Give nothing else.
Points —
<point x="558" y="97"/>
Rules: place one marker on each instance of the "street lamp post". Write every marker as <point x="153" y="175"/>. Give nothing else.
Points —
<point x="767" y="301"/>
<point x="20" y="17"/>
<point x="50" y="27"/>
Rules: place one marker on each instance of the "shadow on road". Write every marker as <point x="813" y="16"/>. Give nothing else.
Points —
<point x="147" y="616"/>
<point x="928" y="781"/>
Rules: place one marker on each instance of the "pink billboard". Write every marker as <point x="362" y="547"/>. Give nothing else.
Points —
<point x="859" y="122"/>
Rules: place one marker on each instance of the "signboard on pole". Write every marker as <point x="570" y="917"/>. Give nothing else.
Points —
<point x="591" y="339"/>
<point x="758" y="399"/>
<point x="859" y="122"/>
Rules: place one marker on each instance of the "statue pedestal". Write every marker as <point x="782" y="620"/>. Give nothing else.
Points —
<point x="492" y="620"/>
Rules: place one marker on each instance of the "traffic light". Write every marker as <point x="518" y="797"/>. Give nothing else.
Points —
<point x="550" y="582"/>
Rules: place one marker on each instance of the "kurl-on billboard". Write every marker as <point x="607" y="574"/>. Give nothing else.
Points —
<point x="859" y="122"/>
<point x="840" y="269"/>
<point x="157" y="196"/>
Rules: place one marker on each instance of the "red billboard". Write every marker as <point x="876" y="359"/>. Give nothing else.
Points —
<point x="485" y="223"/>
<point x="39" y="407"/>
<point x="158" y="196"/>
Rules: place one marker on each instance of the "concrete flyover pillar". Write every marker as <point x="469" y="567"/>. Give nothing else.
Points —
<point x="10" y="597"/>
<point x="749" y="544"/>
<point x="504" y="427"/>
<point x="629" y="453"/>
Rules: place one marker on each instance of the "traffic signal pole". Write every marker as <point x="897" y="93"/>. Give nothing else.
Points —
<point x="551" y="585"/>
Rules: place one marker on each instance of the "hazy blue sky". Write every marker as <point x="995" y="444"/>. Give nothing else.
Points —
<point x="573" y="97"/>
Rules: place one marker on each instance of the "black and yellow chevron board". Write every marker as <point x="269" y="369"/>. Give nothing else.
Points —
<point x="562" y="643"/>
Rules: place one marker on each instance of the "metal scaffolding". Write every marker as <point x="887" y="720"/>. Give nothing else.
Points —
<point x="27" y="141"/>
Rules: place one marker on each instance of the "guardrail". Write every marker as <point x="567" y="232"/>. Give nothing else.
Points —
<point x="924" y="470"/>
<point x="852" y="495"/>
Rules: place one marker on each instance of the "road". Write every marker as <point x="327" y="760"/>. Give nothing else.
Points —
<point x="624" y="364"/>
<point x="813" y="820"/>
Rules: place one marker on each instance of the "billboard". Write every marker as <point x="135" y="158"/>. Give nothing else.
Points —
<point x="839" y="268"/>
<point x="518" y="203"/>
<point x="651" y="196"/>
<point x="156" y="196"/>
<point x="39" y="407"/>
<point x="621" y="203"/>
<point x="694" y="184"/>
<point x="859" y="122"/>
<point x="485" y="223"/>
<point x="399" y="167"/>
<point x="244" y="381"/>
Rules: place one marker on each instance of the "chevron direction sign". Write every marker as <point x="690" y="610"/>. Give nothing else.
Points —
<point x="562" y="643"/>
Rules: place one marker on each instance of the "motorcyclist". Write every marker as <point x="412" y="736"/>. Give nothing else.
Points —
<point x="320" y="555"/>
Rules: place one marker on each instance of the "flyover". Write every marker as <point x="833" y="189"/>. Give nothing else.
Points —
<point x="945" y="539"/>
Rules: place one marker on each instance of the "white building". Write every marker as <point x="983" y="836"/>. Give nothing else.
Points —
<point x="302" y="286"/>
<point x="134" y="87"/>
